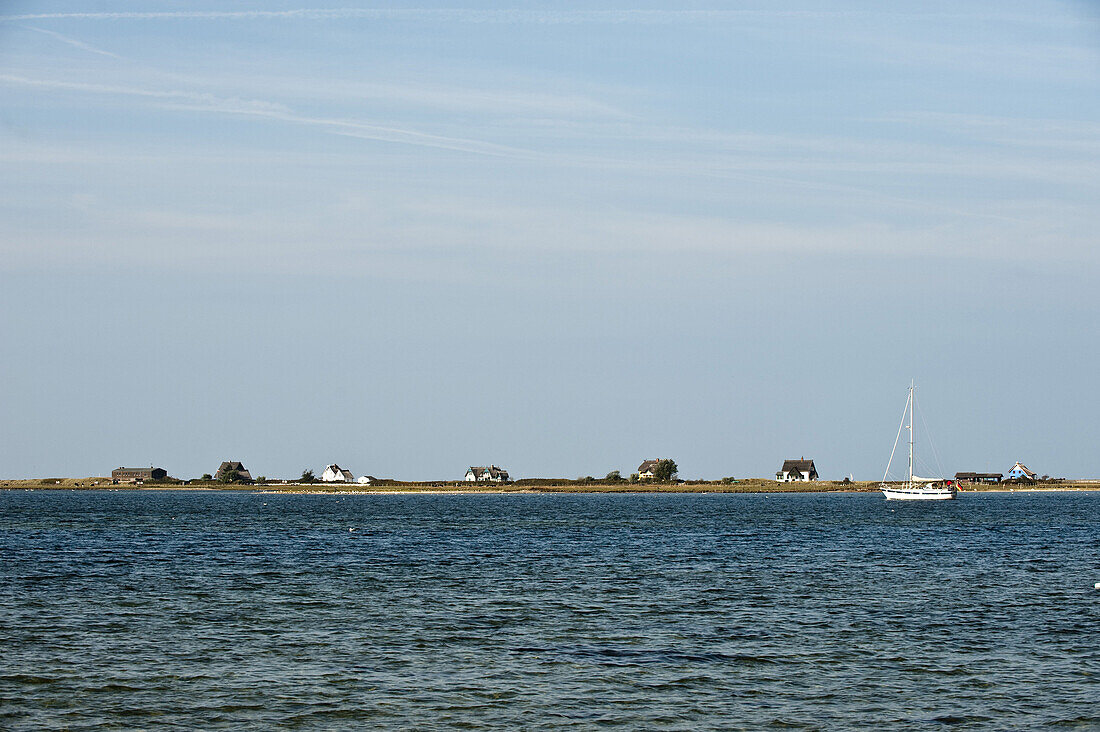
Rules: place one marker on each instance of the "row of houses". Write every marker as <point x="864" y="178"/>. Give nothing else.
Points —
<point x="235" y="471"/>
<point x="1019" y="472"/>
<point x="793" y="470"/>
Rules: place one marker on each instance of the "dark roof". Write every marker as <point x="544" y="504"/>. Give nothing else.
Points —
<point x="802" y="465"/>
<point x="972" y="476"/>
<point x="231" y="465"/>
<point x="648" y="466"/>
<point x="493" y="470"/>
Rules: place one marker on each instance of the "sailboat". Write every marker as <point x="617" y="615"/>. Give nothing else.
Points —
<point x="915" y="488"/>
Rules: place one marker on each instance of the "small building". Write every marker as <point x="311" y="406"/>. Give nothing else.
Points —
<point x="137" y="475"/>
<point x="233" y="466"/>
<point x="648" y="469"/>
<point x="335" y="474"/>
<point x="367" y="480"/>
<point x="978" y="477"/>
<point x="491" y="474"/>
<point x="1021" y="471"/>
<point x="801" y="470"/>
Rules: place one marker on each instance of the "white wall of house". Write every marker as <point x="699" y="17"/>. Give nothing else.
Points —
<point x="795" y="476"/>
<point x="333" y="474"/>
<point x="470" y="476"/>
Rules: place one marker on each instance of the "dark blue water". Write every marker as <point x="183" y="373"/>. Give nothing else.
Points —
<point x="234" y="610"/>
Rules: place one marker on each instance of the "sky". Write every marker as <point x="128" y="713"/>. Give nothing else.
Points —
<point x="413" y="238"/>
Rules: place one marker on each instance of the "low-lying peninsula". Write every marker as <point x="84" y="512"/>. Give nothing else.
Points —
<point x="533" y="485"/>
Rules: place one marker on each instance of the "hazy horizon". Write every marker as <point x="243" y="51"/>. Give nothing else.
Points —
<point x="562" y="241"/>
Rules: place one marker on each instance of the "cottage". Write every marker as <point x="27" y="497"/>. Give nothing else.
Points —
<point x="1020" y="471"/>
<point x="801" y="470"/>
<point x="648" y="469"/>
<point x="335" y="474"/>
<point x="367" y="480"/>
<point x="978" y="477"/>
<point x="136" y="475"/>
<point x="491" y="474"/>
<point x="233" y="466"/>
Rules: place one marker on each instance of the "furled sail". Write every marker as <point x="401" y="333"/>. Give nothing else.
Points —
<point x="918" y="479"/>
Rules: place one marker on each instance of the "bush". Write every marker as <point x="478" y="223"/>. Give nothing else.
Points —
<point x="614" y="477"/>
<point x="665" y="471"/>
<point x="207" y="476"/>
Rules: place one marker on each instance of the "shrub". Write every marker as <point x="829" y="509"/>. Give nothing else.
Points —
<point x="665" y="471"/>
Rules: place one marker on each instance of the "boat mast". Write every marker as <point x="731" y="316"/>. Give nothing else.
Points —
<point x="910" y="433"/>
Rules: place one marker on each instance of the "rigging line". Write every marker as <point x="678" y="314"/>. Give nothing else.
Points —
<point x="896" y="441"/>
<point x="931" y="444"/>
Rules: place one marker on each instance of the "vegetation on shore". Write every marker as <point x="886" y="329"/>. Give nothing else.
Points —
<point x="610" y="484"/>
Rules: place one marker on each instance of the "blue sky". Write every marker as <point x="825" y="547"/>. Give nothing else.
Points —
<point x="562" y="240"/>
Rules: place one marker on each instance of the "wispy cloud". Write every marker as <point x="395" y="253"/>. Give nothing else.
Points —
<point x="242" y="106"/>
<point x="73" y="42"/>
<point x="204" y="102"/>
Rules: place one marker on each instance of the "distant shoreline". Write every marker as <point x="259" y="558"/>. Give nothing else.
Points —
<point x="745" y="486"/>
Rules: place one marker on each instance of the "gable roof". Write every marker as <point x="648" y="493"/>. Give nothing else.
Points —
<point x="801" y="465"/>
<point x="492" y="470"/>
<point x="1024" y="469"/>
<point x="648" y="466"/>
<point x="340" y="471"/>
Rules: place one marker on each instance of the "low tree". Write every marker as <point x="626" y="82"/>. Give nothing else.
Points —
<point x="307" y="476"/>
<point x="231" y="476"/>
<point x="634" y="478"/>
<point x="207" y="476"/>
<point x="666" y="470"/>
<point x="261" y="479"/>
<point x="614" y="477"/>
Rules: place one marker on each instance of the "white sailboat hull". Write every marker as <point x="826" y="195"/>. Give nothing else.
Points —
<point x="920" y="493"/>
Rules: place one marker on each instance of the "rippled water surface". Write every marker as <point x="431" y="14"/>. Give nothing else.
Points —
<point x="236" y="610"/>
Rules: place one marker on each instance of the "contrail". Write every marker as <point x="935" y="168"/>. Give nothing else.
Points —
<point x="203" y="102"/>
<point x="73" y="42"/>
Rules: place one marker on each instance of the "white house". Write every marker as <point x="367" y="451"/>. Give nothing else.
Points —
<point x="335" y="474"/>
<point x="366" y="480"/>
<point x="491" y="474"/>
<point x="801" y="470"/>
<point x="1019" y="470"/>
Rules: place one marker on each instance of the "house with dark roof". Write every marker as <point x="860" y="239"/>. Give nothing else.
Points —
<point x="137" y="475"/>
<point x="233" y="466"/>
<point x="648" y="469"/>
<point x="801" y="470"/>
<point x="491" y="474"/>
<point x="1021" y="472"/>
<point x="978" y="477"/>
<point x="335" y="474"/>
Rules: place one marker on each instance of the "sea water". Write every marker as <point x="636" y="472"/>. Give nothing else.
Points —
<point x="238" y="610"/>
